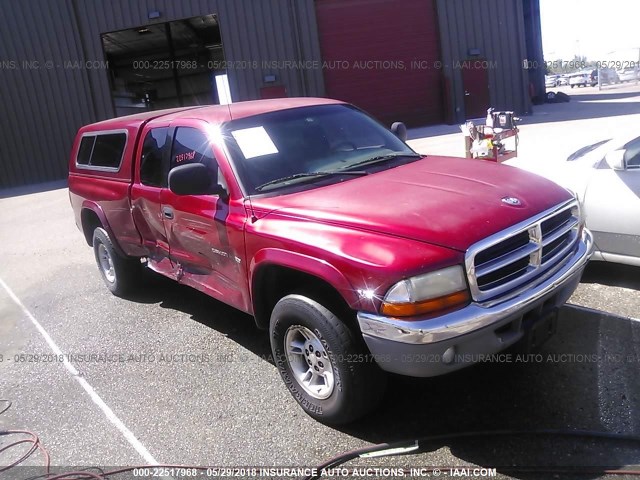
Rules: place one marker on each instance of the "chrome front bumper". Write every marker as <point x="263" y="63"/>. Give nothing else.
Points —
<point x="472" y="328"/>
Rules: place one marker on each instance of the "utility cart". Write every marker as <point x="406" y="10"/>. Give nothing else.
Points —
<point x="497" y="141"/>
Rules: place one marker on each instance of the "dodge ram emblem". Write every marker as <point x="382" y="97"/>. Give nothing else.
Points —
<point x="513" y="201"/>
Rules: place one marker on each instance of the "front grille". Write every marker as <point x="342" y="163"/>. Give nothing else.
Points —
<point x="513" y="258"/>
<point x="503" y="248"/>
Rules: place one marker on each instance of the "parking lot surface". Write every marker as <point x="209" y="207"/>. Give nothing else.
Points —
<point x="174" y="377"/>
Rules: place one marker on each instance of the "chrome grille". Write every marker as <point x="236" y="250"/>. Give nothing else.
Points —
<point x="511" y="259"/>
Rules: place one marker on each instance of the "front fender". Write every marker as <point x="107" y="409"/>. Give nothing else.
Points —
<point x="306" y="264"/>
<point x="361" y="265"/>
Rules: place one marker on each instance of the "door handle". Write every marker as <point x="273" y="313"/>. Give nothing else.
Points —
<point x="167" y="212"/>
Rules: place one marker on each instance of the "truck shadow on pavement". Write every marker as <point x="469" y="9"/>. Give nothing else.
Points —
<point x="232" y="323"/>
<point x="584" y="378"/>
<point x="612" y="274"/>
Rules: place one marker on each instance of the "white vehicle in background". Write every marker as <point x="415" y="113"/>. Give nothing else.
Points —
<point x="551" y="81"/>
<point x="581" y="79"/>
<point x="628" y="75"/>
<point x="605" y="176"/>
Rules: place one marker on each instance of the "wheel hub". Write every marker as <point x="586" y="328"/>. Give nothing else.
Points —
<point x="106" y="263"/>
<point x="309" y="362"/>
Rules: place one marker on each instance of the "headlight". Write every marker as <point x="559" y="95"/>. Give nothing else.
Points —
<point x="428" y="293"/>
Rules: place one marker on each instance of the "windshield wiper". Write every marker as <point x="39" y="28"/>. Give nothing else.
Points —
<point x="343" y="171"/>
<point x="384" y="158"/>
<point x="296" y="176"/>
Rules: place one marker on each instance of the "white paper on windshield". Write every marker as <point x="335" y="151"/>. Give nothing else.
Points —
<point x="254" y="142"/>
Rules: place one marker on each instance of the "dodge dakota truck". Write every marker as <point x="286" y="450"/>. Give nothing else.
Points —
<point x="357" y="254"/>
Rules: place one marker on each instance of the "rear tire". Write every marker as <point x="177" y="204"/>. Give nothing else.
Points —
<point x="120" y="274"/>
<point x="322" y="363"/>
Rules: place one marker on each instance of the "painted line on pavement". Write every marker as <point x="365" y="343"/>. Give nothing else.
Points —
<point x="112" y="417"/>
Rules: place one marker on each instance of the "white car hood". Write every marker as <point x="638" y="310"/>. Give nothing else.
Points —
<point x="575" y="174"/>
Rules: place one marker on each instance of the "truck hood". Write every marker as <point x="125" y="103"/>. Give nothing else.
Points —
<point x="445" y="201"/>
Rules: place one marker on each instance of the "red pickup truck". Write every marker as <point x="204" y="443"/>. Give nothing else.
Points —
<point x="359" y="255"/>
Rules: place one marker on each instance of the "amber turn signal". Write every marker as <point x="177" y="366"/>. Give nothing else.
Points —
<point x="427" y="306"/>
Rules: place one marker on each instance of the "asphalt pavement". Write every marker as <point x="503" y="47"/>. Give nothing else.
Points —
<point x="172" y="376"/>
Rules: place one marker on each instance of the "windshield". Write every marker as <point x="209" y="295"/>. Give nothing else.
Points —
<point x="275" y="150"/>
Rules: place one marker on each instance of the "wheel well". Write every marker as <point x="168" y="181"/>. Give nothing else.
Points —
<point x="273" y="282"/>
<point x="90" y="221"/>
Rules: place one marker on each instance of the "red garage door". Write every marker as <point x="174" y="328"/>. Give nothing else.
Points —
<point x="380" y="54"/>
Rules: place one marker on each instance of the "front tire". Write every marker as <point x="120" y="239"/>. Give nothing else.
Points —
<point x="120" y="274"/>
<point x="322" y="362"/>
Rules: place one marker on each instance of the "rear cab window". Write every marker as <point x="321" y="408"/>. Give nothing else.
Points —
<point x="102" y="150"/>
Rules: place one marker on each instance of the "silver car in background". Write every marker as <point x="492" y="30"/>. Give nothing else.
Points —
<point x="605" y="176"/>
<point x="628" y="75"/>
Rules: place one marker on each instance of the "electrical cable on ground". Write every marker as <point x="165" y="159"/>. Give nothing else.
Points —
<point x="8" y="402"/>
<point x="380" y="450"/>
<point x="413" y="447"/>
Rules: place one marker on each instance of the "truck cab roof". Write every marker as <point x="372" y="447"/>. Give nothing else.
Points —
<point x="214" y="114"/>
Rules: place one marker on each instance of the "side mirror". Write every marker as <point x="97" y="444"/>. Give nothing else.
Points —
<point x="399" y="129"/>
<point x="615" y="159"/>
<point x="193" y="179"/>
